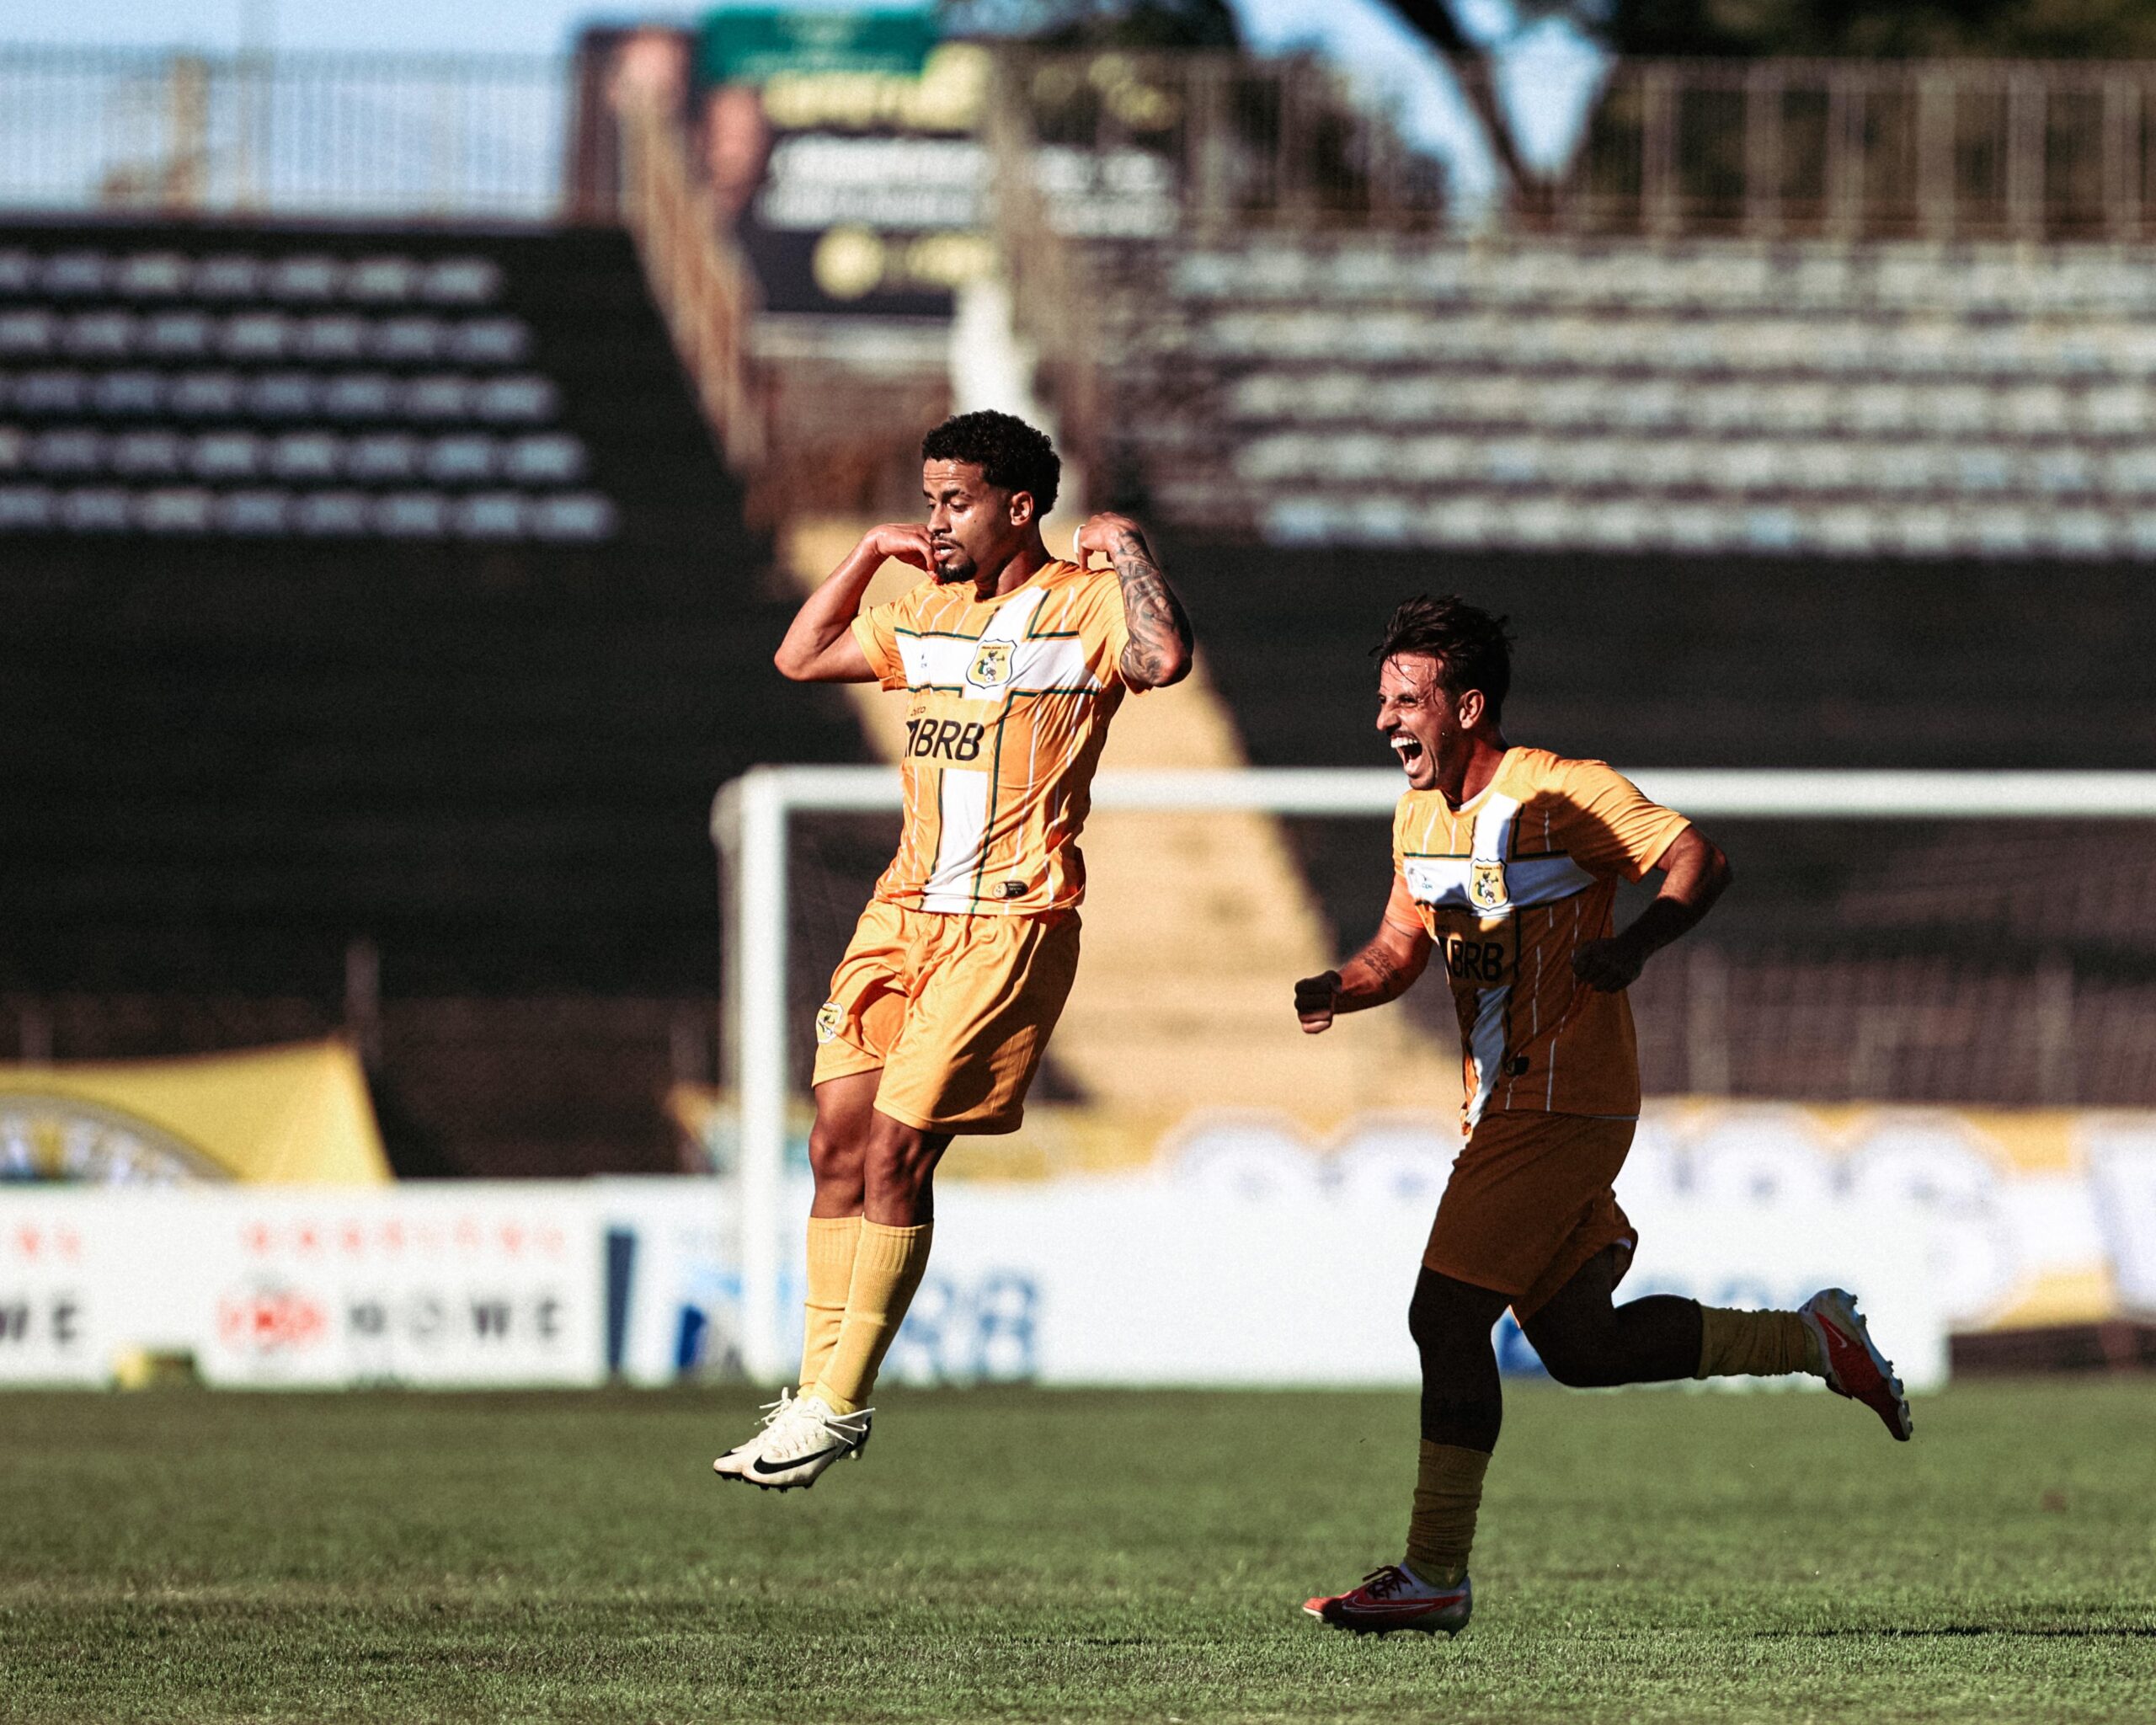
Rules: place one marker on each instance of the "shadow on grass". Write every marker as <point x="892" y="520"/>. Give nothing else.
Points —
<point x="2112" y="1631"/>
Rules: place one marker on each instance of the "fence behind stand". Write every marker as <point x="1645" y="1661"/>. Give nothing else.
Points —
<point x="306" y="135"/>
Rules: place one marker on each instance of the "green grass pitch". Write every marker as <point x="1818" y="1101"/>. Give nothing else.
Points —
<point x="1015" y="1554"/>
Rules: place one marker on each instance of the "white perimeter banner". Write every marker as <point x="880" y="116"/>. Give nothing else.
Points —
<point x="1241" y="1253"/>
<point x="1168" y="1279"/>
<point x="459" y="1283"/>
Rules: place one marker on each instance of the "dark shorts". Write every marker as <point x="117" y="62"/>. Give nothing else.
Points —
<point x="1530" y="1200"/>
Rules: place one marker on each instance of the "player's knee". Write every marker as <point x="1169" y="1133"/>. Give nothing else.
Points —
<point x="901" y="1159"/>
<point x="1444" y="1314"/>
<point x="835" y="1159"/>
<point x="1574" y="1364"/>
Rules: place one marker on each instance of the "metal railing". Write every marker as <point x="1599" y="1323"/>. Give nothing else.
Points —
<point x="1939" y="151"/>
<point x="703" y="286"/>
<point x="118" y="130"/>
<point x="1931" y="150"/>
<point x="1246" y="141"/>
<point x="1049" y="296"/>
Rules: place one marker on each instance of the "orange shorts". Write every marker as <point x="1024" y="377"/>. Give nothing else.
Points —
<point x="954" y="1010"/>
<point x="1530" y="1202"/>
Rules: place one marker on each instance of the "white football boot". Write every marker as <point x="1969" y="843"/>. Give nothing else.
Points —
<point x="729" y="1466"/>
<point x="805" y="1439"/>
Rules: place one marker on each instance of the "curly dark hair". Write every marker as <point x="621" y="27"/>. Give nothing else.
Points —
<point x="1473" y="649"/>
<point x="1010" y="454"/>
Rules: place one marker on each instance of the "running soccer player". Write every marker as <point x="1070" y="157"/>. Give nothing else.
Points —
<point x="1013" y="663"/>
<point x="1506" y="863"/>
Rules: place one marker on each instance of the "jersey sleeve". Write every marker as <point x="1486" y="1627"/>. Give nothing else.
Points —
<point x="1401" y="909"/>
<point x="1604" y="822"/>
<point x="877" y="631"/>
<point x="1400" y="906"/>
<point x="1102" y="627"/>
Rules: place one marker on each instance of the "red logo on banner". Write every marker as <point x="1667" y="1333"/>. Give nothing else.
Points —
<point x="270" y="1319"/>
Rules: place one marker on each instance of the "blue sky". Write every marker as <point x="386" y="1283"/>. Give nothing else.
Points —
<point x="1546" y="74"/>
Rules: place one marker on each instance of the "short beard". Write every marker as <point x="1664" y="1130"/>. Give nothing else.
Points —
<point x="950" y="575"/>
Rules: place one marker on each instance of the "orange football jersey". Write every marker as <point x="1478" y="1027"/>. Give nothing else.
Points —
<point x="1509" y="885"/>
<point x="1010" y="703"/>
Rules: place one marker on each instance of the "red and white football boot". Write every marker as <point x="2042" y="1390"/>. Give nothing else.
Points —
<point x="1396" y="1598"/>
<point x="1855" y="1368"/>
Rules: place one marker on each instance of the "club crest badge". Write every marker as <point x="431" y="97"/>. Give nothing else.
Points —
<point x="827" y="1021"/>
<point x="1486" y="885"/>
<point x="991" y="665"/>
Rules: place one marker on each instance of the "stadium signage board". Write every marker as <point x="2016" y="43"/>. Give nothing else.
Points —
<point x="54" y="1272"/>
<point x="752" y="44"/>
<point x="867" y="194"/>
<point x="470" y="1283"/>
<point x="1943" y="1219"/>
<point x="439" y="1284"/>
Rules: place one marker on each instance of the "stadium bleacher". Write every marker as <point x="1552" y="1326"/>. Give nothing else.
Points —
<point x="1626" y="396"/>
<point x="277" y="388"/>
<point x="377" y="587"/>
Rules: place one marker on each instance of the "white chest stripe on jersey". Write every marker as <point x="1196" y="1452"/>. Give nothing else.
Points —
<point x="955" y="662"/>
<point x="961" y="827"/>
<point x="1442" y="882"/>
<point x="1486" y="1043"/>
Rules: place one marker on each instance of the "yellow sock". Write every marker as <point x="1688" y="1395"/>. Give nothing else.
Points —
<point x="1448" y="1492"/>
<point x="887" y="1269"/>
<point x="831" y="1243"/>
<point x="1755" y="1344"/>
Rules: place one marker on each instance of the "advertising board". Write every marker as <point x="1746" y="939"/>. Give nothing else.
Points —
<point x="473" y="1284"/>
<point x="1239" y="1248"/>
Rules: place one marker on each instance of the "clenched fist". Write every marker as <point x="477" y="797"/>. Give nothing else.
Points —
<point x="903" y="541"/>
<point x="1609" y="966"/>
<point x="1101" y="533"/>
<point x="1316" y="999"/>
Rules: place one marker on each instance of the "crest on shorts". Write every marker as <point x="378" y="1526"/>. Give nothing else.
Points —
<point x="991" y="665"/>
<point x="827" y="1020"/>
<point x="1486" y="885"/>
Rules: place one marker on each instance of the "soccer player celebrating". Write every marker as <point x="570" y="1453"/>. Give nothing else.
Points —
<point x="1506" y="863"/>
<point x="1012" y="662"/>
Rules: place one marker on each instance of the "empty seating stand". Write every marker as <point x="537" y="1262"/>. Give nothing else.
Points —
<point x="377" y="591"/>
<point x="168" y="383"/>
<point x="1896" y="400"/>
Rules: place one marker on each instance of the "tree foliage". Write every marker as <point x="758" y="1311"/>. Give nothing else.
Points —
<point x="2091" y="30"/>
<point x="1137" y="24"/>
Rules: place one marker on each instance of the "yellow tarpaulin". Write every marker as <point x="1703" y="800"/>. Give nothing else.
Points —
<point x="296" y="1116"/>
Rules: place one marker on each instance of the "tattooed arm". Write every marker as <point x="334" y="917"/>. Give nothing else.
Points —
<point x="1159" y="653"/>
<point x="1382" y="972"/>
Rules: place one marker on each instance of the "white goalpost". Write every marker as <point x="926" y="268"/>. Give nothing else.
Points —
<point x="751" y="818"/>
